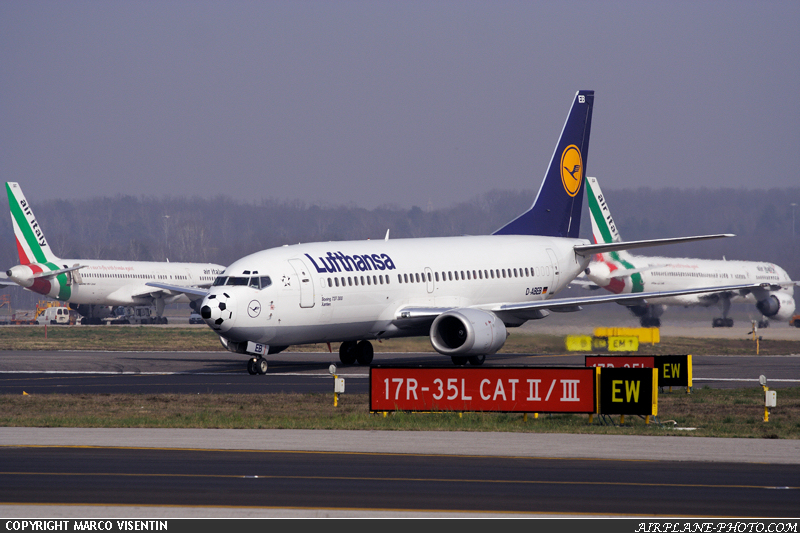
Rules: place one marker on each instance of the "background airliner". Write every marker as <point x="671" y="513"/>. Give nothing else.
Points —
<point x="462" y="291"/>
<point x="772" y="291"/>
<point x="92" y="286"/>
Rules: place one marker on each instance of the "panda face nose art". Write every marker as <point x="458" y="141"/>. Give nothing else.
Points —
<point x="217" y="311"/>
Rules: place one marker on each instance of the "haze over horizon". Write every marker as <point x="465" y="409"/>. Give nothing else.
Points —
<point x="375" y="103"/>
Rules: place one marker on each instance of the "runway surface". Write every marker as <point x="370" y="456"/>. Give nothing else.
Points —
<point x="152" y="473"/>
<point x="221" y="372"/>
<point x="162" y="472"/>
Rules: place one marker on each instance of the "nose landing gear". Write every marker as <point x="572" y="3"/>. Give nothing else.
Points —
<point x="257" y="365"/>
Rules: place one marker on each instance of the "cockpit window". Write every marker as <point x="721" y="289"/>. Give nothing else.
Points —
<point x="255" y="282"/>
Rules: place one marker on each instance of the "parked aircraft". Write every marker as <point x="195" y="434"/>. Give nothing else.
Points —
<point x="772" y="291"/>
<point x="93" y="287"/>
<point x="462" y="291"/>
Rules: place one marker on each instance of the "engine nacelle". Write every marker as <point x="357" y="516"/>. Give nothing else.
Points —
<point x="777" y="306"/>
<point x="468" y="332"/>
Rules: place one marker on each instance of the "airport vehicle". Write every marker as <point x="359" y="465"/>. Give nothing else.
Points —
<point x="771" y="289"/>
<point x="94" y="286"/>
<point x="56" y="314"/>
<point x="795" y="321"/>
<point x="462" y="291"/>
<point x="140" y="314"/>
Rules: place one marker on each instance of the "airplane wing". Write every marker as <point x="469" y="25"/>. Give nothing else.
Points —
<point x="540" y="308"/>
<point x="602" y="248"/>
<point x="193" y="293"/>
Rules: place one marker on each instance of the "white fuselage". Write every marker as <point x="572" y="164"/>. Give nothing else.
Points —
<point x="339" y="291"/>
<point x="107" y="282"/>
<point x="665" y="273"/>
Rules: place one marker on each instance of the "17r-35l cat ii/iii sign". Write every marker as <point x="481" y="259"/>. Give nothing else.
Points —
<point x="522" y="390"/>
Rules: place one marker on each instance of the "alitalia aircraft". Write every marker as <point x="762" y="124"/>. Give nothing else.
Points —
<point x="464" y="292"/>
<point x="771" y="290"/>
<point x="92" y="286"/>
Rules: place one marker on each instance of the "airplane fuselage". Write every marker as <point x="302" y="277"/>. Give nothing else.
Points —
<point x="107" y="282"/>
<point x="665" y="273"/>
<point x="353" y="290"/>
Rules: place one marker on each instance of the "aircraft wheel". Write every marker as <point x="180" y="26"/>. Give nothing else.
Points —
<point x="717" y="323"/>
<point x="477" y="360"/>
<point x="347" y="352"/>
<point x="251" y="367"/>
<point x="261" y="365"/>
<point x="459" y="360"/>
<point x="728" y="322"/>
<point x="763" y="323"/>
<point x="364" y="353"/>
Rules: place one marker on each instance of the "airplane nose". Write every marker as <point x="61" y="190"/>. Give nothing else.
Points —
<point x="217" y="311"/>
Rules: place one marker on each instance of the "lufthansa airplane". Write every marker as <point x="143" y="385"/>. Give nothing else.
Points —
<point x="464" y="292"/>
<point x="92" y="286"/>
<point x="771" y="289"/>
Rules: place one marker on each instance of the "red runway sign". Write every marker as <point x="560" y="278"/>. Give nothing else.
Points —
<point x="523" y="390"/>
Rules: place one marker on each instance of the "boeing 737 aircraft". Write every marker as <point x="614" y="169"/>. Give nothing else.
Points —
<point x="91" y="286"/>
<point x="620" y="272"/>
<point x="462" y="291"/>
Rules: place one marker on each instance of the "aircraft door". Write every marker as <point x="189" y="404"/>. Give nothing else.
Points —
<point x="429" y="279"/>
<point x="305" y="281"/>
<point x="554" y="266"/>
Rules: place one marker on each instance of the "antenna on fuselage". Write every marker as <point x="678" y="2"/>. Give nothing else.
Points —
<point x="387" y="235"/>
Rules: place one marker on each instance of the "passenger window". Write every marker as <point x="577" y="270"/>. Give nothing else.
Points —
<point x="450" y="276"/>
<point x="437" y="276"/>
<point x="337" y="281"/>
<point x="374" y="280"/>
<point x="416" y="275"/>
<point x="405" y="277"/>
<point x="350" y="281"/>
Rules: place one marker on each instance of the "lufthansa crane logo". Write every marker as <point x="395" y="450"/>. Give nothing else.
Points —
<point x="254" y="308"/>
<point x="571" y="169"/>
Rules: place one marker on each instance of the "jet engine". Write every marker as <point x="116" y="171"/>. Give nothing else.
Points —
<point x="467" y="332"/>
<point x="777" y="305"/>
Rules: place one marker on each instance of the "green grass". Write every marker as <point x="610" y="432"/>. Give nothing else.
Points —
<point x="201" y="338"/>
<point x="713" y="412"/>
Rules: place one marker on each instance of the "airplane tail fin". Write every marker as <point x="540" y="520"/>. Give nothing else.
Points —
<point x="603" y="228"/>
<point x="556" y="211"/>
<point x="31" y="245"/>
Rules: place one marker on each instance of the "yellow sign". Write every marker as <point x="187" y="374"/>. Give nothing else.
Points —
<point x="623" y="344"/>
<point x="571" y="169"/>
<point x="579" y="343"/>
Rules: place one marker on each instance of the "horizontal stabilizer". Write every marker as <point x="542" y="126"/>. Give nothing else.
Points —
<point x="49" y="274"/>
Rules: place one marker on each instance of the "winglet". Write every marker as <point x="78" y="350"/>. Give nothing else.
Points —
<point x="556" y="211"/>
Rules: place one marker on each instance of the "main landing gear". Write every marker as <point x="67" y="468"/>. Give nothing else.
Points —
<point x="724" y="322"/>
<point x="257" y="365"/>
<point x="352" y="351"/>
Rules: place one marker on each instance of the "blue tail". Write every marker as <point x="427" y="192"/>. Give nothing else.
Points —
<point x="556" y="212"/>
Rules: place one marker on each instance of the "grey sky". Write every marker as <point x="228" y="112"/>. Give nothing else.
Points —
<point x="406" y="103"/>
